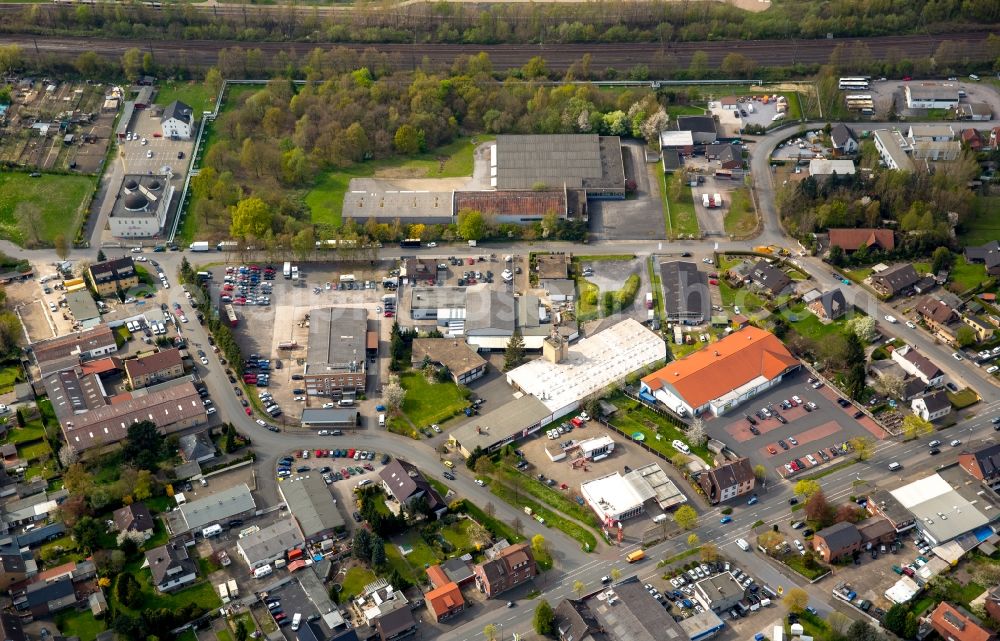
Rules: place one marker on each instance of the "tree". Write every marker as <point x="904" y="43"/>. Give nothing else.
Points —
<point x="579" y="587"/>
<point x="863" y="327"/>
<point x="863" y="446"/>
<point x="393" y="395"/>
<point x="848" y="513"/>
<point x="686" y="517"/>
<point x="87" y="533"/>
<point x="836" y="256"/>
<point x="357" y="142"/>
<point x="251" y="218"/>
<point x="518" y="525"/>
<point x="696" y="433"/>
<point x="127" y="590"/>
<point x="544" y="620"/>
<point x="915" y="427"/>
<point x="68" y="456"/>
<point x="471" y="225"/>
<point x="490" y="632"/>
<point x="213" y="81"/>
<point x="942" y="259"/>
<point x="890" y="385"/>
<point x="241" y="631"/>
<point x="61" y="245"/>
<point x="838" y="622"/>
<point x="699" y="64"/>
<point x="490" y="509"/>
<point x="965" y="336"/>
<point x="100" y="256"/>
<point x="144" y="445"/>
<point x="540" y="548"/>
<point x="796" y="599"/>
<point x="807" y="487"/>
<point x="361" y="547"/>
<point x="408" y="140"/>
<point x="10" y="59"/>
<point x="484" y="466"/>
<point x="693" y="540"/>
<point x="378" y="557"/>
<point x="760" y="472"/>
<point x="132" y="64"/>
<point x="615" y="574"/>
<point x="514" y="354"/>
<point x="304" y="243"/>
<point x="854" y="382"/>
<point x="709" y="552"/>
<point x="148" y="66"/>
<point x="818" y="509"/>
<point x="144" y="485"/>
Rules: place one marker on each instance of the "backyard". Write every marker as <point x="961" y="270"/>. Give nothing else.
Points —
<point x="355" y="581"/>
<point x="428" y="403"/>
<point x="983" y="226"/>
<point x="326" y="198"/>
<point x="657" y="431"/>
<point x="33" y="211"/>
<point x="807" y="324"/>
<point x="194" y="94"/>
<point x="963" y="276"/>
<point x="9" y="374"/>
<point x="201" y="593"/>
<point x="74" y="623"/>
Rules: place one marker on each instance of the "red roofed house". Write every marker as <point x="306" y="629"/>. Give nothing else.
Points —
<point x="445" y="602"/>
<point x="853" y="239"/>
<point x="955" y="624"/>
<point x="721" y="376"/>
<point x="972" y="139"/>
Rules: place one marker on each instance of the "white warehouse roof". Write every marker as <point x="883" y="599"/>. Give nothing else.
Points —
<point x="612" y="495"/>
<point x="591" y="365"/>
<point x="939" y="509"/>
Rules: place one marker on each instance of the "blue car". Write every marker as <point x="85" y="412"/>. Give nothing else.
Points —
<point x="753" y="500"/>
<point x="726" y="519"/>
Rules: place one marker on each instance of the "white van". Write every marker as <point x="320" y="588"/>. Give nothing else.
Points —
<point x="743" y="545"/>
<point x="262" y="571"/>
<point x="212" y="530"/>
<point x="381" y="420"/>
<point x="296" y="620"/>
<point x="894" y="466"/>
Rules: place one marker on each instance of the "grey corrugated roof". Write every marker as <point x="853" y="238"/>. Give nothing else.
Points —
<point x="685" y="291"/>
<point x="218" y="507"/>
<point x="337" y="338"/>
<point x="557" y="160"/>
<point x="311" y="504"/>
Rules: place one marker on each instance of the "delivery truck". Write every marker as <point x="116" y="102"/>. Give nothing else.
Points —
<point x="287" y="270"/>
<point x="199" y="246"/>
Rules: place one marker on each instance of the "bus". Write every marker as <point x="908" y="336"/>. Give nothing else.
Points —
<point x="408" y="243"/>
<point x="860" y="82"/>
<point x="231" y="315"/>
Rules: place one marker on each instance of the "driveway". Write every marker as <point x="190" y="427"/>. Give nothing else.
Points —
<point x="638" y="217"/>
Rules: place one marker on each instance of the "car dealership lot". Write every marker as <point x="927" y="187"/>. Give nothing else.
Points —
<point x="829" y="425"/>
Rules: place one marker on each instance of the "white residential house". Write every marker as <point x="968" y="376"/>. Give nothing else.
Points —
<point x="931" y="407"/>
<point x="177" y="121"/>
<point x="916" y="364"/>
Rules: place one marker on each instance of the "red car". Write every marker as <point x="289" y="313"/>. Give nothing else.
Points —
<point x="345" y="473"/>
<point x="279" y="616"/>
<point x="771" y="449"/>
<point x="712" y="281"/>
<point x="389" y="314"/>
<point x="248" y="411"/>
<point x="350" y="453"/>
<point x="319" y="453"/>
<point x="227" y="288"/>
<point x="907" y="78"/>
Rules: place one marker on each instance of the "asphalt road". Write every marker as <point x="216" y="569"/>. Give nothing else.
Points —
<point x="571" y="563"/>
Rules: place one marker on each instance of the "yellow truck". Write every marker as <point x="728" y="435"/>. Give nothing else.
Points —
<point x="638" y="555"/>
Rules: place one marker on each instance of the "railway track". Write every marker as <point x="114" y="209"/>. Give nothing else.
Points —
<point x="204" y="53"/>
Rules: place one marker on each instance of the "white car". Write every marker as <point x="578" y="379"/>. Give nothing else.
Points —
<point x="323" y="432"/>
<point x="432" y="244"/>
<point x="681" y="446"/>
<point x="480" y="483"/>
<point x="143" y="141"/>
<point x="300" y="398"/>
<point x="436" y="428"/>
<point x="129" y="300"/>
<point x="137" y="250"/>
<point x="957" y="356"/>
<point x="507" y="275"/>
<point x="891" y="319"/>
<point x="204" y="361"/>
<point x="708" y="261"/>
<point x="149" y="153"/>
<point x="955" y="443"/>
<point x="797" y="400"/>
<point x="261" y="423"/>
<point x="736" y="309"/>
<point x="327" y="406"/>
<point x="911" y="324"/>
<point x="183" y="318"/>
<point x="991" y="369"/>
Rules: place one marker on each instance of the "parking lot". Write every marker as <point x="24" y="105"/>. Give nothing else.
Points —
<point x="641" y="216"/>
<point x="804" y="434"/>
<point x="158" y="152"/>
<point x="341" y="472"/>
<point x="711" y="220"/>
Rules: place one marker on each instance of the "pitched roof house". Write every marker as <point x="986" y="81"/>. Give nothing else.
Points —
<point x="853" y="239"/>
<point x="932" y="407"/>
<point x="895" y="280"/>
<point x="983" y="464"/>
<point x="134" y="518"/>
<point x="445" y="602"/>
<point x="988" y="254"/>
<point x="728" y="481"/>
<point x="768" y="278"/>
<point x="171" y="567"/>
<point x="404" y="482"/>
<point x="511" y="567"/>
<point x="837" y="541"/>
<point x="843" y="139"/>
<point x="830" y="305"/>
<point x="956" y="624"/>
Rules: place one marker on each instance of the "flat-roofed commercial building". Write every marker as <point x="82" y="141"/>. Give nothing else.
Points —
<point x="930" y="96"/>
<point x="140" y="209"/>
<point x="335" y="359"/>
<point x="309" y="502"/>
<point x="575" y="161"/>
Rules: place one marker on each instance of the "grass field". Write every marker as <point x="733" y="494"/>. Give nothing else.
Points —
<point x="983" y="226"/>
<point x="634" y="418"/>
<point x="741" y="219"/>
<point x="59" y="199"/>
<point x="33" y="431"/>
<point x="412" y="565"/>
<point x="355" y="581"/>
<point x="34" y="451"/>
<point x="859" y="274"/>
<point x="79" y="624"/>
<point x="680" y="216"/>
<point x="810" y="326"/>
<point x="193" y="94"/>
<point x="587" y="308"/>
<point x="457" y="534"/>
<point x="428" y="403"/>
<point x="964" y="276"/>
<point x="202" y="593"/>
<point x="326" y="198"/>
<point x="570" y="528"/>
<point x="498" y="528"/>
<point x="552" y="497"/>
<point x="684" y="110"/>
<point x="8" y="376"/>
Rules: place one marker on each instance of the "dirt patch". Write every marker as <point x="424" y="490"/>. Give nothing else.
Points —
<point x="33" y="318"/>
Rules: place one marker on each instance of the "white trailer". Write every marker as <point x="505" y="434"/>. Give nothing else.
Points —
<point x="718" y="200"/>
<point x="223" y="592"/>
<point x="234" y="590"/>
<point x="704" y="201"/>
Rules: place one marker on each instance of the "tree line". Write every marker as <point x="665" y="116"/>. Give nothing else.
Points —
<point x="655" y="21"/>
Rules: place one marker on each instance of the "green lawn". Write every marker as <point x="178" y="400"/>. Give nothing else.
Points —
<point x="60" y="201"/>
<point x="413" y="564"/>
<point x="73" y="623"/>
<point x="810" y="326"/>
<point x="457" y="535"/>
<point x="428" y="403"/>
<point x="188" y="635"/>
<point x="193" y="94"/>
<point x="984" y="225"/>
<point x="33" y="431"/>
<point x="552" y="497"/>
<point x="797" y="563"/>
<point x="570" y="528"/>
<point x="635" y="418"/>
<point x="859" y="274"/>
<point x="8" y="376"/>
<point x="964" y="276"/>
<point x="741" y="219"/>
<point x="499" y="529"/>
<point x="684" y="110"/>
<point x="587" y="307"/>
<point x="326" y="198"/>
<point x="440" y="487"/>
<point x="679" y="216"/>
<point x="224" y="635"/>
<point x="747" y="301"/>
<point x="34" y="451"/>
<point x="963" y="398"/>
<point x="355" y="581"/>
<point x="202" y="593"/>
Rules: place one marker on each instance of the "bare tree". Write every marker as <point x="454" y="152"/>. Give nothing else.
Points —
<point x="696" y="433"/>
<point x="68" y="455"/>
<point x="490" y="509"/>
<point x="393" y="394"/>
<point x="29" y="217"/>
<point x="517" y="525"/>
